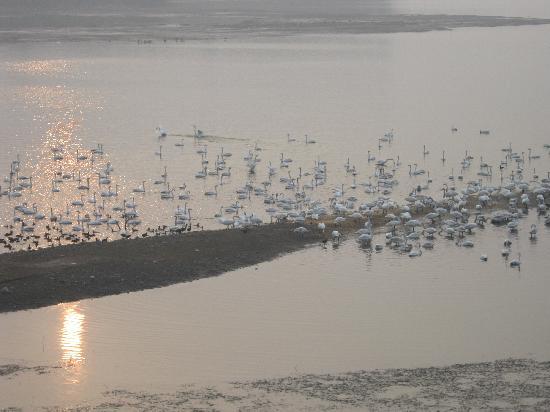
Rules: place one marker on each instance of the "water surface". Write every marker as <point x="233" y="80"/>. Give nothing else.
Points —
<point x="316" y="311"/>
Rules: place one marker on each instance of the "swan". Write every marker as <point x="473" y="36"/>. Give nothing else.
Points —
<point x="301" y="230"/>
<point x="533" y="156"/>
<point x="85" y="186"/>
<point x="201" y="174"/>
<point x="38" y="215"/>
<point x="227" y="222"/>
<point x="64" y="221"/>
<point x="131" y="205"/>
<point x="365" y="238"/>
<point x="428" y="245"/>
<point x="416" y="171"/>
<point x="92" y="199"/>
<point x="184" y="195"/>
<point x="27" y="184"/>
<point x="533" y="231"/>
<point x="212" y="193"/>
<point x="26" y="228"/>
<point x="130" y="214"/>
<point x="197" y="133"/>
<point x="310" y="141"/>
<point x="103" y="180"/>
<point x="78" y="202"/>
<point x="234" y="208"/>
<point x="415" y="252"/>
<point x="161" y="132"/>
<point x="167" y="193"/>
<point x="370" y="157"/>
<point x="219" y="214"/>
<point x="80" y="157"/>
<point x="140" y="189"/>
<point x="516" y="262"/>
<point x="109" y="192"/>
<point x="55" y="189"/>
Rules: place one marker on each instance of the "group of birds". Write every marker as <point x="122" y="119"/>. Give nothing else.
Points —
<point x="289" y="192"/>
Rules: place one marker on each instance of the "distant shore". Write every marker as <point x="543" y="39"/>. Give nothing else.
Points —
<point x="183" y="28"/>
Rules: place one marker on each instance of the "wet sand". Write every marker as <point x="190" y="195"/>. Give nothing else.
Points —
<point x="32" y="279"/>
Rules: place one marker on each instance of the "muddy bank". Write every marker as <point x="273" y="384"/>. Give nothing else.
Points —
<point x="510" y="384"/>
<point x="67" y="273"/>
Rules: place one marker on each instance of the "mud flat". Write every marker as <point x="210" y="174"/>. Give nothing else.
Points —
<point x="510" y="384"/>
<point x="67" y="273"/>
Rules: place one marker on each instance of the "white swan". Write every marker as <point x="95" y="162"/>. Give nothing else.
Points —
<point x="516" y="262"/>
<point x="533" y="231"/>
<point x="140" y="189"/>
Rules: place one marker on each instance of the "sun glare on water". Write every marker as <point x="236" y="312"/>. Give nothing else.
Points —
<point x="71" y="336"/>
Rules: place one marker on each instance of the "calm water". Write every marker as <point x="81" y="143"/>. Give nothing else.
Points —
<point x="347" y="308"/>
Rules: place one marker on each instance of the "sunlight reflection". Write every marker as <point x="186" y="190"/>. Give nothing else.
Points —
<point x="60" y="170"/>
<point x="40" y="67"/>
<point x="71" y="335"/>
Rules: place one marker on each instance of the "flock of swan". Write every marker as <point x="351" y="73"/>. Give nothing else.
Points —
<point x="96" y="209"/>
